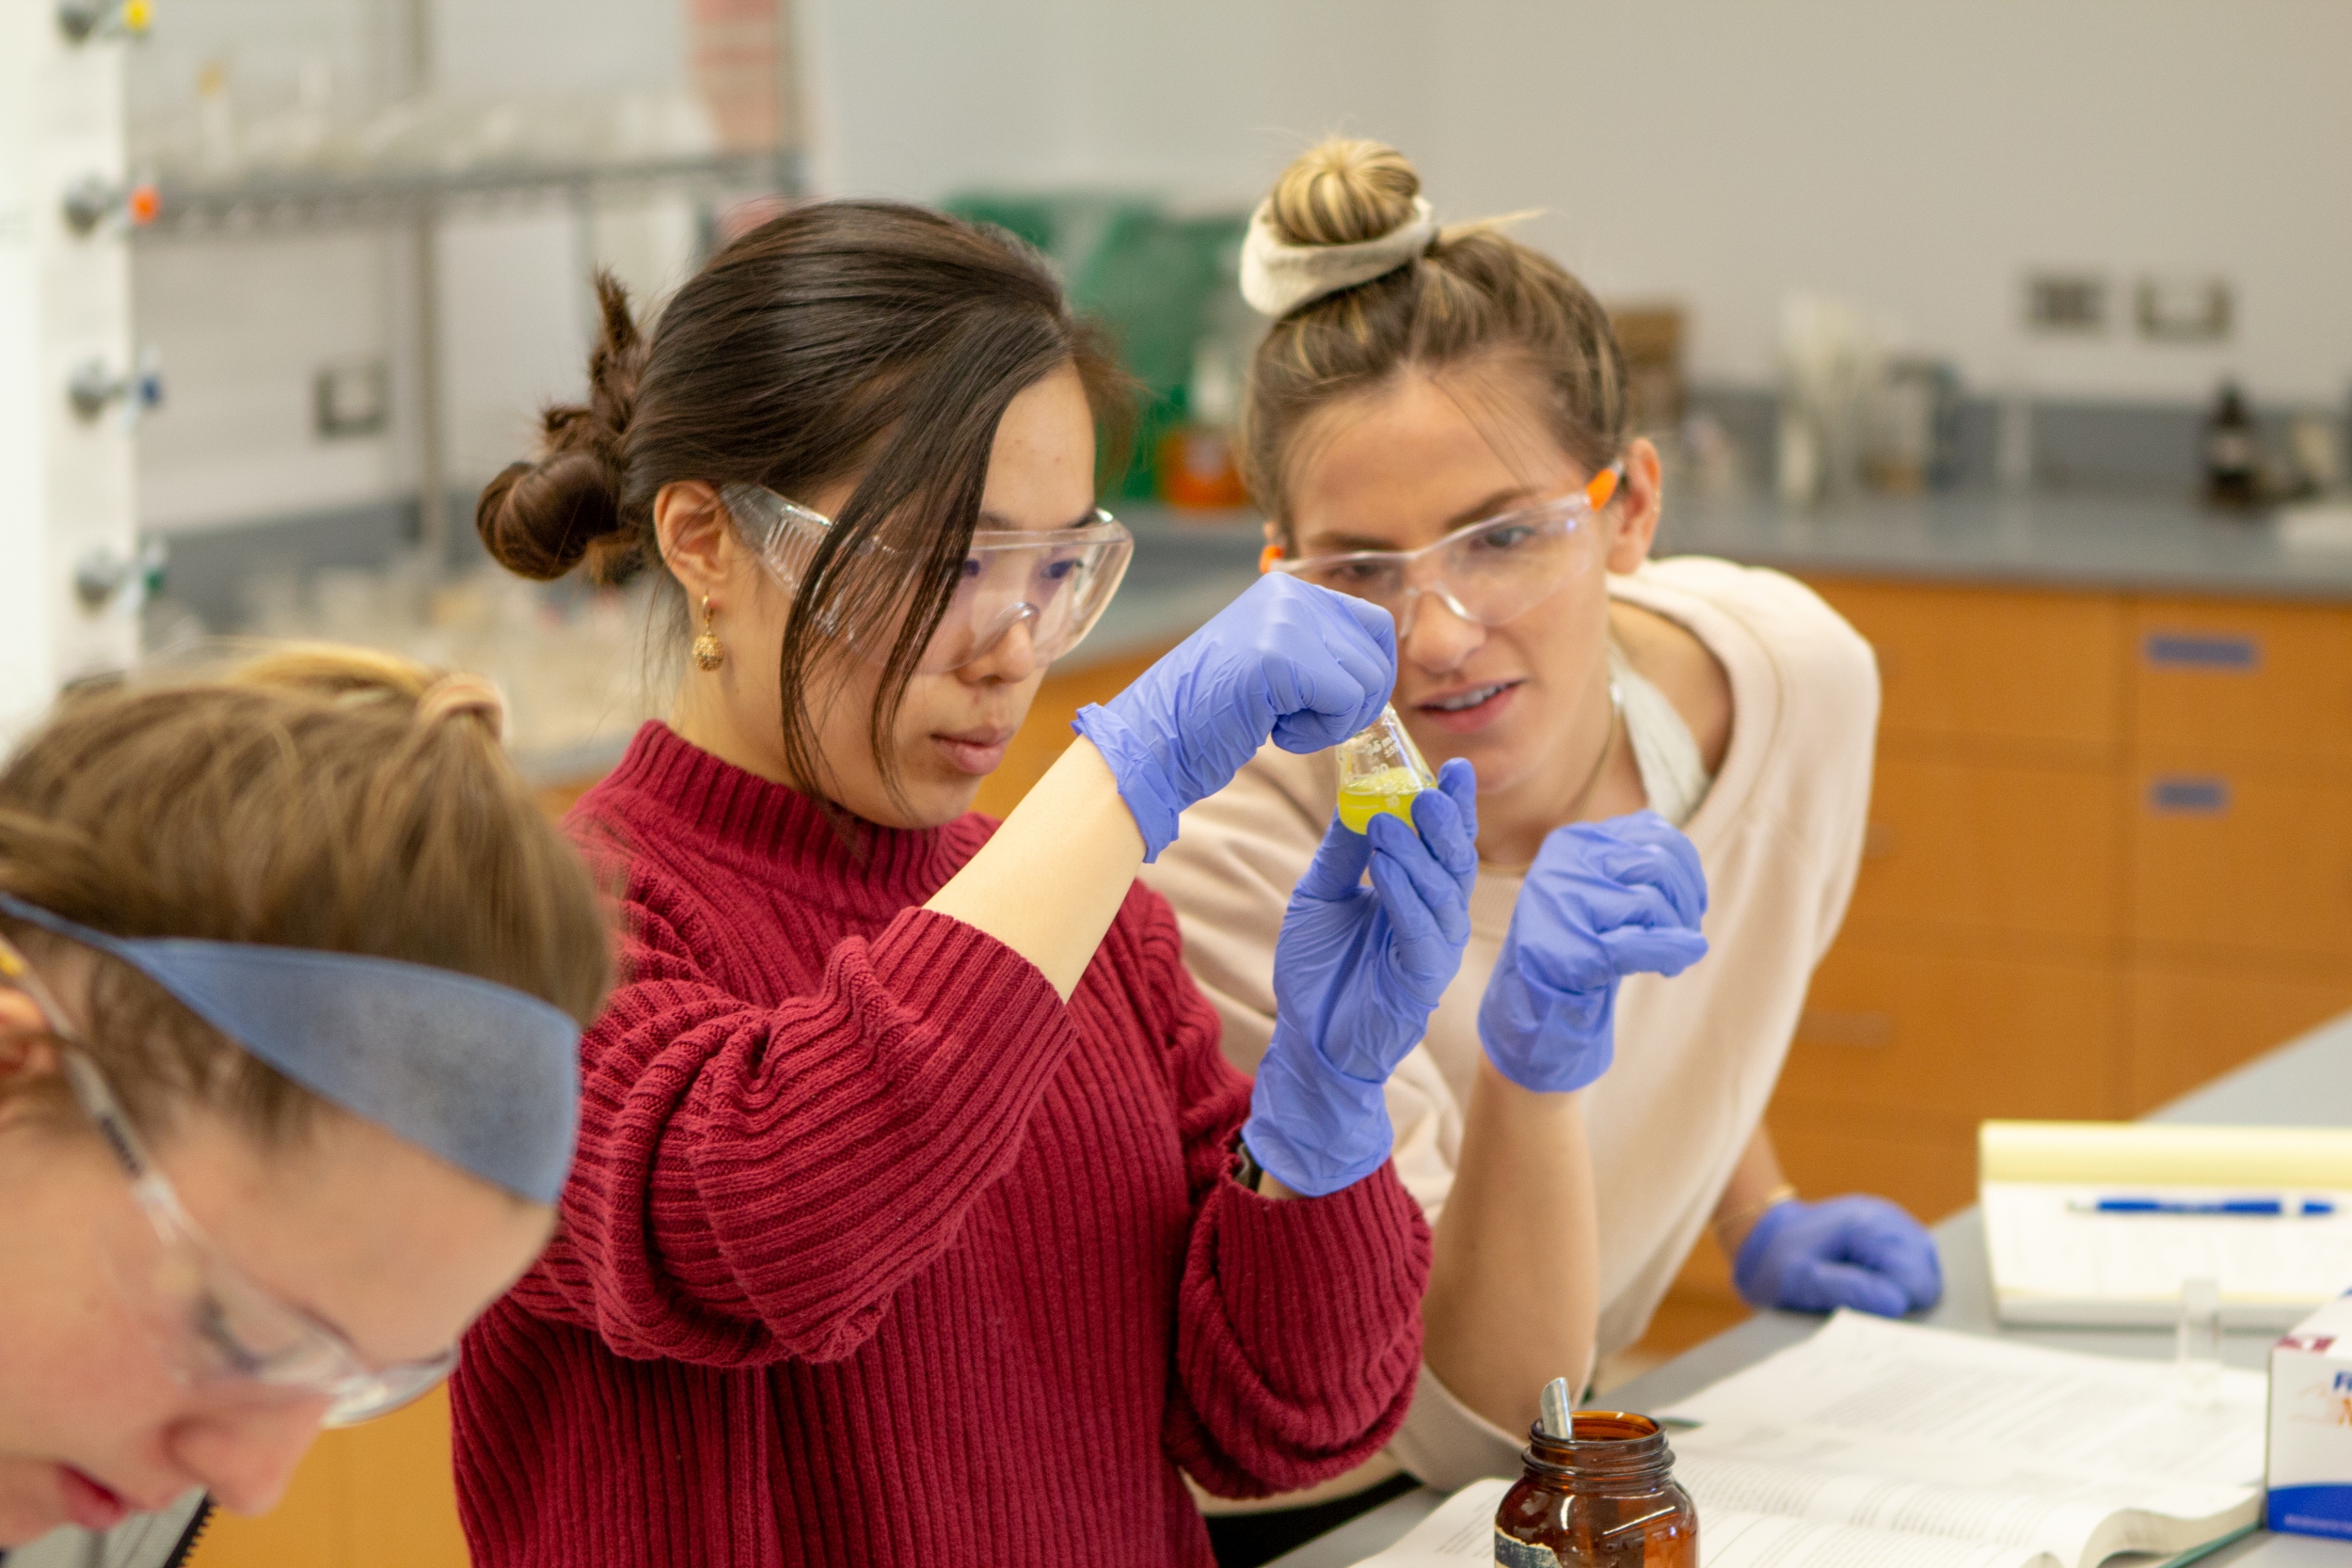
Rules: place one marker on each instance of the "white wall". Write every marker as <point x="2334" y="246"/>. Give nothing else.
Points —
<point x="1915" y="155"/>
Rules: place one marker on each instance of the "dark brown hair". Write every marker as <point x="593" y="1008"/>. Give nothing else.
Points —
<point x="842" y="338"/>
<point x="321" y="797"/>
<point x="1473" y="296"/>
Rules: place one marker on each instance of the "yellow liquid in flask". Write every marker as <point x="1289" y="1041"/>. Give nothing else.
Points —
<point x="1366" y="796"/>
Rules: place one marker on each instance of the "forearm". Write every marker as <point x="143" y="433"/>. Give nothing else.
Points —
<point x="1050" y="881"/>
<point x="1757" y="1183"/>
<point x="1512" y="1296"/>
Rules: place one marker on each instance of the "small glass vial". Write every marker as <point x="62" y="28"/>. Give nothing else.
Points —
<point x="1381" y="770"/>
<point x="1604" y="1496"/>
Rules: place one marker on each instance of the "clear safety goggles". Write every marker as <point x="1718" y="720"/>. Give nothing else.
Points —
<point x="1488" y="573"/>
<point x="1057" y="583"/>
<point x="217" y="1330"/>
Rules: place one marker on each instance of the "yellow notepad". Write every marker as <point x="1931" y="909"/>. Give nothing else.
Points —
<point x="2055" y="1260"/>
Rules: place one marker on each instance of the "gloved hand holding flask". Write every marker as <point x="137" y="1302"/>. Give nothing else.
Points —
<point x="1286" y="660"/>
<point x="1357" y="972"/>
<point x="1603" y="900"/>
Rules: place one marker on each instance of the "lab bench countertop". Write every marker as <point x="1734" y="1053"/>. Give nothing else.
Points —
<point x="2307" y="1080"/>
<point x="2156" y="542"/>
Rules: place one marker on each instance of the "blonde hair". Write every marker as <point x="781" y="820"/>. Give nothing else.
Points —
<point x="1474" y="295"/>
<point x="317" y="797"/>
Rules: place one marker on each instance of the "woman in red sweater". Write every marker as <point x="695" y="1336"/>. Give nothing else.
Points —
<point x="917" y="1217"/>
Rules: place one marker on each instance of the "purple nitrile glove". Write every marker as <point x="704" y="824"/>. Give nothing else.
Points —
<point x="1854" y="1251"/>
<point x="1357" y="972"/>
<point x="1286" y="660"/>
<point x="1603" y="900"/>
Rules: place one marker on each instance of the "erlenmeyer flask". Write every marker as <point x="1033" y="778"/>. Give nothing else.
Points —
<point x="1381" y="770"/>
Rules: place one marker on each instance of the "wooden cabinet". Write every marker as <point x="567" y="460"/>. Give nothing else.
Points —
<point x="1923" y="1032"/>
<point x="2110" y="858"/>
<point x="379" y="1495"/>
<point x="1983" y="668"/>
<point x="2249" y="680"/>
<point x="2234" y="858"/>
<point x="2190" y="1025"/>
<point x="2002" y="849"/>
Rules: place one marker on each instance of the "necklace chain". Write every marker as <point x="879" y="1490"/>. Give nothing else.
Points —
<point x="1592" y="782"/>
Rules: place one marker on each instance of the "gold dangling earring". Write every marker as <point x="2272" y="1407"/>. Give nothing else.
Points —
<point x="709" y="652"/>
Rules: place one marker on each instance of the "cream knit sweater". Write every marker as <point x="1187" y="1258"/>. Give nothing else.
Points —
<point x="1780" y="833"/>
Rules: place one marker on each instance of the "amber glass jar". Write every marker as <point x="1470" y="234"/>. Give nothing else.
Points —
<point x="1605" y="1498"/>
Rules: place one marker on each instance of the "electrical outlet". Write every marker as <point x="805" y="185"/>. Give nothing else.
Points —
<point x="349" y="398"/>
<point x="2184" y="310"/>
<point x="2066" y="302"/>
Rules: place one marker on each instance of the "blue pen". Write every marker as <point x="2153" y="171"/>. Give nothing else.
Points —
<point x="2259" y="1208"/>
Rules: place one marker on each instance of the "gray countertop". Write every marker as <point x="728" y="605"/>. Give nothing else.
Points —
<point x="2156" y="542"/>
<point x="2307" y="1080"/>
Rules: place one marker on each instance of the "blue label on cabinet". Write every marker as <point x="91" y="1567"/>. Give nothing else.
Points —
<point x="2190" y="796"/>
<point x="2183" y="650"/>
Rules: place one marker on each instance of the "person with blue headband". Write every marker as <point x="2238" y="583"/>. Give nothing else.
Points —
<point x="293" y="972"/>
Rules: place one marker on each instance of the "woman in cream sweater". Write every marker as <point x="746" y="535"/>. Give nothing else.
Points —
<point x="1438" y="422"/>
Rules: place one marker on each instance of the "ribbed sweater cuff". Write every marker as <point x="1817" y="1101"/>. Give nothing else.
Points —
<point x="956" y="974"/>
<point x="1309" y="1273"/>
<point x="1301" y="1333"/>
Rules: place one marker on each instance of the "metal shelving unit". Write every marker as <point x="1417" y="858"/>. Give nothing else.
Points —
<point x="311" y="201"/>
<point x="414" y="198"/>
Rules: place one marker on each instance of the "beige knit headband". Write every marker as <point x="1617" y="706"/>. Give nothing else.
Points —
<point x="1277" y="277"/>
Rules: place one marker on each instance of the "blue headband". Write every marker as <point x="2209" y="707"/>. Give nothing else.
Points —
<point x="481" y="1074"/>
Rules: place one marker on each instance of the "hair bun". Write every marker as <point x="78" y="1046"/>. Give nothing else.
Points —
<point x="1344" y="191"/>
<point x="541" y="519"/>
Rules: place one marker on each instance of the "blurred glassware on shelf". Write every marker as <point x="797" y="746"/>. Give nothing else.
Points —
<point x="2231" y="454"/>
<point x="2314" y="453"/>
<point x="1704" y="456"/>
<point x="571" y="660"/>
<point x="1651" y="336"/>
<point x="1832" y="357"/>
<point x="1914" y="442"/>
<point x="1200" y="461"/>
<point x="2013" y="461"/>
<point x="225" y="139"/>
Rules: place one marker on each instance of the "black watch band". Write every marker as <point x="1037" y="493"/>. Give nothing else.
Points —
<point x="1249" y="1171"/>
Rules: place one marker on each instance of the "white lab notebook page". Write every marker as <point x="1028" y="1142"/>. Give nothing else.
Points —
<point x="1918" y="1430"/>
<point x="1462" y="1532"/>
<point x="2053" y="1262"/>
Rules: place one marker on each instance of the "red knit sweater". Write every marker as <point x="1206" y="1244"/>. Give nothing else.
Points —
<point x="876" y="1252"/>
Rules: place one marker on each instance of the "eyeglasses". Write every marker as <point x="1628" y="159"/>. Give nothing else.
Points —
<point x="217" y="1329"/>
<point x="1058" y="583"/>
<point x="1488" y="573"/>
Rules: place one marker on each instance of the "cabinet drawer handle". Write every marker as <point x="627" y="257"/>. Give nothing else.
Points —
<point x="2188" y="797"/>
<point x="1830" y="1027"/>
<point x="2219" y="654"/>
